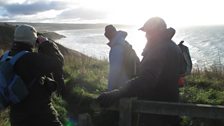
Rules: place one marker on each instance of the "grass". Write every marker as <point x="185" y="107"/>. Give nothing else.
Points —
<point x="204" y="86"/>
<point x="85" y="78"/>
<point x="4" y="118"/>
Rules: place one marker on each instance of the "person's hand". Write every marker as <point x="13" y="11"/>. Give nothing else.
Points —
<point x="106" y="99"/>
<point x="41" y="39"/>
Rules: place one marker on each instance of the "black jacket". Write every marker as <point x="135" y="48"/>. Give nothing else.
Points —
<point x="159" y="71"/>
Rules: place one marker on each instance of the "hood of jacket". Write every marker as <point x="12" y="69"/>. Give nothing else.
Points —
<point x="164" y="37"/>
<point x="118" y="39"/>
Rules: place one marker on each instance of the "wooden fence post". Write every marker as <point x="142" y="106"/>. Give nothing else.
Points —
<point x="84" y="120"/>
<point x="125" y="108"/>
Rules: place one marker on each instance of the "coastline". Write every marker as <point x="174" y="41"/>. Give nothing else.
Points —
<point x="6" y="39"/>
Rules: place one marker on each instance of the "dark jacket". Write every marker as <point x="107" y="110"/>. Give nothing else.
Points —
<point x="51" y="49"/>
<point x="159" y="73"/>
<point x="37" y="108"/>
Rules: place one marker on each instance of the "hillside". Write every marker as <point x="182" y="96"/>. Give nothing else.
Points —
<point x="67" y="26"/>
<point x="6" y="39"/>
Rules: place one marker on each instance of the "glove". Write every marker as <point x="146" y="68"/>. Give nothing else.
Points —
<point x="106" y="99"/>
<point x="41" y="39"/>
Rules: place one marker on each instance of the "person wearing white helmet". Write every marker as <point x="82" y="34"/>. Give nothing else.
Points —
<point x="36" y="109"/>
<point x="159" y="72"/>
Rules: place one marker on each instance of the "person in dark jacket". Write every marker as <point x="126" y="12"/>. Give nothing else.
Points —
<point x="51" y="49"/>
<point x="159" y="72"/>
<point x="36" y="109"/>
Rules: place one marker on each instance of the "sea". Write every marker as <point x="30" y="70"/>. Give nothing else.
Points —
<point x="205" y="43"/>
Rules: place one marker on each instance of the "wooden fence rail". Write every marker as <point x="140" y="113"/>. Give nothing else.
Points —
<point x="129" y="106"/>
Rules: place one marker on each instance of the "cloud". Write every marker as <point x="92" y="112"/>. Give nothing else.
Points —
<point x="33" y="8"/>
<point x="83" y="14"/>
<point x="46" y="10"/>
<point x="2" y="2"/>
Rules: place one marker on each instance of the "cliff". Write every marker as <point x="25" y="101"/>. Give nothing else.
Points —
<point x="6" y="39"/>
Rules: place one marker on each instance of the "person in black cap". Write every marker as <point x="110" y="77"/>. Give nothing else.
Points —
<point x="159" y="72"/>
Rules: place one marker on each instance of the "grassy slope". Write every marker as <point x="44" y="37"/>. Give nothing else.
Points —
<point x="85" y="79"/>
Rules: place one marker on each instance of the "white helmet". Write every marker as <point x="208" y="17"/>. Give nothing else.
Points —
<point x="25" y="34"/>
<point x="154" y="24"/>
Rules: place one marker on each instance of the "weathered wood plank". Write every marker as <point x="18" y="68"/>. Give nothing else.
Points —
<point x="125" y="112"/>
<point x="182" y="109"/>
<point x="84" y="120"/>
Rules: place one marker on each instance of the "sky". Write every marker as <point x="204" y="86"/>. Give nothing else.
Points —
<point x="174" y="12"/>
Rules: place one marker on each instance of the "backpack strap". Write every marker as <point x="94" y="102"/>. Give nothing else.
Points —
<point x="5" y="56"/>
<point x="17" y="56"/>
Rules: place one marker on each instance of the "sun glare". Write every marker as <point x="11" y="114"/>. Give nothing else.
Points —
<point x="137" y="12"/>
<point x="175" y="12"/>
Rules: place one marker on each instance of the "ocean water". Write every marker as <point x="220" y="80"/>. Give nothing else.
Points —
<point x="206" y="43"/>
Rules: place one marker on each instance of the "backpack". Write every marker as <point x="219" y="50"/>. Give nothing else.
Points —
<point x="12" y="87"/>
<point x="187" y="58"/>
<point x="186" y="66"/>
<point x="131" y="61"/>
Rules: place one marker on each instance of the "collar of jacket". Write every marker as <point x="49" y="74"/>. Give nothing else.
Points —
<point x="163" y="37"/>
<point x="118" y="39"/>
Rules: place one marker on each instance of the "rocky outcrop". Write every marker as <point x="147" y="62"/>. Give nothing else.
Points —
<point x="6" y="35"/>
<point x="6" y="39"/>
<point x="53" y="35"/>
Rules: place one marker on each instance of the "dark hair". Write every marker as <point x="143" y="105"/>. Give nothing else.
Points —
<point x="110" y="31"/>
<point x="110" y="28"/>
<point x="17" y="46"/>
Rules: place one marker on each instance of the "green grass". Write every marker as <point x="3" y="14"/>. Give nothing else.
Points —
<point x="204" y="86"/>
<point x="85" y="78"/>
<point x="4" y="118"/>
<point x="88" y="73"/>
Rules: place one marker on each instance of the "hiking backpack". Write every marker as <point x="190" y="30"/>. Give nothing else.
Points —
<point x="187" y="58"/>
<point x="12" y="87"/>
<point x="131" y="61"/>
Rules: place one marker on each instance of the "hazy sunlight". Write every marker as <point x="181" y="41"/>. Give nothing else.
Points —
<point x="175" y="12"/>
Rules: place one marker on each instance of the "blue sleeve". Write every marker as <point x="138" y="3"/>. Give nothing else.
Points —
<point x="116" y="64"/>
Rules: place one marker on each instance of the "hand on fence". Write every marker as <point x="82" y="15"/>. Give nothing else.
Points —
<point x="107" y="99"/>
